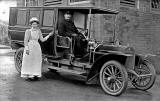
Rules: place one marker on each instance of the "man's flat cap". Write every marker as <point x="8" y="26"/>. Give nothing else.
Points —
<point x="68" y="12"/>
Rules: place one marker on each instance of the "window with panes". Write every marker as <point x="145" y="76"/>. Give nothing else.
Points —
<point x="51" y="2"/>
<point x="131" y="3"/>
<point x="74" y="1"/>
<point x="48" y="18"/>
<point x="21" y="17"/>
<point x="155" y="4"/>
<point x="31" y="3"/>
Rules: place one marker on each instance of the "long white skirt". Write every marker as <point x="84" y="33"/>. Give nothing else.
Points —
<point x="32" y="63"/>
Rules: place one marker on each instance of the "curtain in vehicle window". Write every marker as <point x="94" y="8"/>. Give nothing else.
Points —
<point x="21" y="17"/>
<point x="35" y="13"/>
<point x="48" y="18"/>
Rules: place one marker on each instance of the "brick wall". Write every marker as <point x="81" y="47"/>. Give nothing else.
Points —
<point x="140" y="28"/>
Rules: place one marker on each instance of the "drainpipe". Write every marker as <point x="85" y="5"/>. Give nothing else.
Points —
<point x="114" y="32"/>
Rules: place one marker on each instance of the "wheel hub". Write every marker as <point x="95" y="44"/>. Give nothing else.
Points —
<point x="112" y="78"/>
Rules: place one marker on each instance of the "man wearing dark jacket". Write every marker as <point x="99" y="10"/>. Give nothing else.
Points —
<point x="68" y="28"/>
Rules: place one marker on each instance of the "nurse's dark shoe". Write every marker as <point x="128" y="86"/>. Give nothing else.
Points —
<point x="36" y="78"/>
<point x="31" y="79"/>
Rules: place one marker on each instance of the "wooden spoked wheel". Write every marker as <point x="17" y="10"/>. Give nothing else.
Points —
<point x="113" y="78"/>
<point x="18" y="59"/>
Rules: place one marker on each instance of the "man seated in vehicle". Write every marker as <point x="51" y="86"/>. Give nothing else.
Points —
<point x="67" y="28"/>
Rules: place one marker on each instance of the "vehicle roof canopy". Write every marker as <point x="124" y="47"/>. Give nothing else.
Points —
<point x="86" y="10"/>
<point x="92" y="10"/>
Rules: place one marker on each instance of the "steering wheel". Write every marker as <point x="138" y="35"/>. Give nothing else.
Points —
<point x="83" y="34"/>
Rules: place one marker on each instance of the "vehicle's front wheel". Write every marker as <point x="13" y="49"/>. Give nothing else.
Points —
<point x="18" y="59"/>
<point x="147" y="76"/>
<point x="113" y="78"/>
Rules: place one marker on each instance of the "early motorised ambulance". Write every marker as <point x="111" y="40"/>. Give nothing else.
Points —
<point x="112" y="65"/>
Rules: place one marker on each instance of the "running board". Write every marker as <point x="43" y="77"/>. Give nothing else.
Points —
<point x="66" y="62"/>
<point x="51" y="56"/>
<point x="67" y="70"/>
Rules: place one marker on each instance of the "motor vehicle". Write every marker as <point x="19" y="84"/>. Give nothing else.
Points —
<point x="108" y="64"/>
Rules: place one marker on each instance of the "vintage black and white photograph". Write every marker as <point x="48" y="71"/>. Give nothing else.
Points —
<point x="79" y="50"/>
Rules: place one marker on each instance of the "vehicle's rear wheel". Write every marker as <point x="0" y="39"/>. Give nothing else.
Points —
<point x="113" y="78"/>
<point x="18" y="59"/>
<point x="147" y="80"/>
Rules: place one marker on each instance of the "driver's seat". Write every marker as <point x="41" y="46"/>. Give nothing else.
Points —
<point x="64" y="43"/>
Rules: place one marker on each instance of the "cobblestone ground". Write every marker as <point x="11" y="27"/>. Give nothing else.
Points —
<point x="53" y="87"/>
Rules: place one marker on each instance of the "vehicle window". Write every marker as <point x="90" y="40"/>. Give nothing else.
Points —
<point x="35" y="13"/>
<point x="21" y="17"/>
<point x="79" y="20"/>
<point x="48" y="18"/>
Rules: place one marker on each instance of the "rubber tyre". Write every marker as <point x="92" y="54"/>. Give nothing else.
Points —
<point x="150" y="68"/>
<point x="18" y="59"/>
<point x="120" y="72"/>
